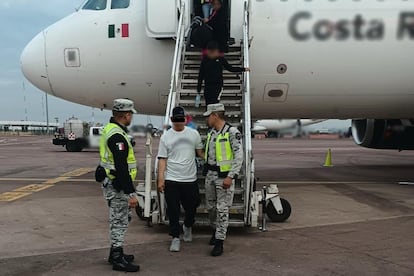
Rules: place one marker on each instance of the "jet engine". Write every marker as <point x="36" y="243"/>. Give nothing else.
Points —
<point x="384" y="134"/>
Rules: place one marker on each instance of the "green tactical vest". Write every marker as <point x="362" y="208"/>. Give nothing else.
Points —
<point x="107" y="158"/>
<point x="224" y="152"/>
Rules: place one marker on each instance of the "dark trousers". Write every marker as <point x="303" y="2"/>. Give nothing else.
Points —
<point x="197" y="8"/>
<point x="211" y="93"/>
<point x="177" y="194"/>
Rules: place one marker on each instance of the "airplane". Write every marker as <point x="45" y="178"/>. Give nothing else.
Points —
<point x="309" y="59"/>
<point x="274" y="128"/>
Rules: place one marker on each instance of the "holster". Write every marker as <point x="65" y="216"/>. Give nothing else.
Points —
<point x="100" y="174"/>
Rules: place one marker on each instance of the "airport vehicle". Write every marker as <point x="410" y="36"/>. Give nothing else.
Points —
<point x="275" y="128"/>
<point x="77" y="135"/>
<point x="309" y="59"/>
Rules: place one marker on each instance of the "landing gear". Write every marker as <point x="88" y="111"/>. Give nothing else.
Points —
<point x="272" y="213"/>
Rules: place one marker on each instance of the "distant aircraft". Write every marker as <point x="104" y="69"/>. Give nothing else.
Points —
<point x="316" y="59"/>
<point x="274" y="128"/>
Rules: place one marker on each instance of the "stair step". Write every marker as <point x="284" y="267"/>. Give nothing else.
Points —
<point x="206" y="222"/>
<point x="237" y="191"/>
<point x="197" y="62"/>
<point x="227" y="86"/>
<point x="226" y="92"/>
<point x="232" y="48"/>
<point x="195" y="72"/>
<point x="194" y="81"/>
<point x="200" y="112"/>
<point x="198" y="53"/>
<point x="191" y="102"/>
<point x="236" y="208"/>
<point x="186" y="76"/>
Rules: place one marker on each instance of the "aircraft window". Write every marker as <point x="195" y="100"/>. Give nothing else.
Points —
<point x="120" y="4"/>
<point x="96" y="5"/>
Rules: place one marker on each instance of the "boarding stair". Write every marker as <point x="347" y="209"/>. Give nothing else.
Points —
<point x="236" y="99"/>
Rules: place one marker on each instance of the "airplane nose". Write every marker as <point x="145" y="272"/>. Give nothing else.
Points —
<point x="33" y="63"/>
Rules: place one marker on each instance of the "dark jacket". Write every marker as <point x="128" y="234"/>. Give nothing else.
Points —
<point x="119" y="148"/>
<point x="219" y="22"/>
<point x="211" y="71"/>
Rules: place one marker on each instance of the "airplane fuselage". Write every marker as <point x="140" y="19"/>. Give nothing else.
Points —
<point x="308" y="60"/>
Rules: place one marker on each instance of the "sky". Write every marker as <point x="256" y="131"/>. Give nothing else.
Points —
<point x="21" y="20"/>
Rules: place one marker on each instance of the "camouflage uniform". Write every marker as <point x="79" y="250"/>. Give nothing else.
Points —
<point x="118" y="214"/>
<point x="218" y="199"/>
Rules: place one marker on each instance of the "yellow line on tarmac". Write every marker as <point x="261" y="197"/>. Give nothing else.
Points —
<point x="11" y="196"/>
<point x="55" y="180"/>
<point x="34" y="188"/>
<point x="78" y="172"/>
<point x="22" y="179"/>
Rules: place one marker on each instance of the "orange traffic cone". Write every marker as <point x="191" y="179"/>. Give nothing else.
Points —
<point x="328" y="159"/>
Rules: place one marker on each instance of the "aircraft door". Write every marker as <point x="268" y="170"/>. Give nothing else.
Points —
<point x="161" y="18"/>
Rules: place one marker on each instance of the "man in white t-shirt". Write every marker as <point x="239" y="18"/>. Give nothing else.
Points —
<point x="177" y="175"/>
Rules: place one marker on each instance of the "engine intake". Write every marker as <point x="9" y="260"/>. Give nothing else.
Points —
<point x="383" y="134"/>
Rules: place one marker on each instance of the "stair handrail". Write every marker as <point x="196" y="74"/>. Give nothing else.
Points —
<point x="248" y="166"/>
<point x="175" y="72"/>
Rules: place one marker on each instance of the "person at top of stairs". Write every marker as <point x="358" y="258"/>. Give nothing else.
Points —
<point x="218" y="21"/>
<point x="211" y="72"/>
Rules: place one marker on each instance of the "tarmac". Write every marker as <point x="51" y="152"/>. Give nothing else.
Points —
<point x="350" y="219"/>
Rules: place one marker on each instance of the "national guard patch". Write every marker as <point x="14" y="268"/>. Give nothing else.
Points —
<point x="121" y="146"/>
<point x="238" y="136"/>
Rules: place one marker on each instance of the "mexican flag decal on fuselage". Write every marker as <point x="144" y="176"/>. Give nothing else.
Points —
<point x="116" y="31"/>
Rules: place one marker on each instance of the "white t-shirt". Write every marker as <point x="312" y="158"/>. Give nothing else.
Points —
<point x="179" y="149"/>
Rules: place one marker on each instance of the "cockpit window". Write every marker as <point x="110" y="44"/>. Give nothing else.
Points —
<point x="96" y="5"/>
<point x="120" y="4"/>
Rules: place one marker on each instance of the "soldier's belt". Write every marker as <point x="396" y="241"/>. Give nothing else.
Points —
<point x="213" y="168"/>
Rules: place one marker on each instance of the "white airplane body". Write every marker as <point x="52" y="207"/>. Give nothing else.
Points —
<point x="309" y="59"/>
<point x="281" y="125"/>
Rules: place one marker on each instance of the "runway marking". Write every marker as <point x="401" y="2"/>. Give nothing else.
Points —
<point x="12" y="196"/>
<point x="78" y="172"/>
<point x="23" y="179"/>
<point x="33" y="188"/>
<point x="62" y="179"/>
<point x="55" y="180"/>
<point x="27" y="190"/>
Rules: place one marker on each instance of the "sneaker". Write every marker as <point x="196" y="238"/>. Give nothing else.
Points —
<point x="175" y="245"/>
<point x="188" y="234"/>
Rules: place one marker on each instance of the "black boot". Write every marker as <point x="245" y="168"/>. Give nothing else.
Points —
<point x="213" y="239"/>
<point x="128" y="258"/>
<point x="120" y="264"/>
<point x="218" y="248"/>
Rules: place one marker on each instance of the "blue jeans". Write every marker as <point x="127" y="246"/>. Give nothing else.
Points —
<point x="206" y="10"/>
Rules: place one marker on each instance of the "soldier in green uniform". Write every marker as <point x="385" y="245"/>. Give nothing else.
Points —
<point x="224" y="159"/>
<point x="118" y="161"/>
